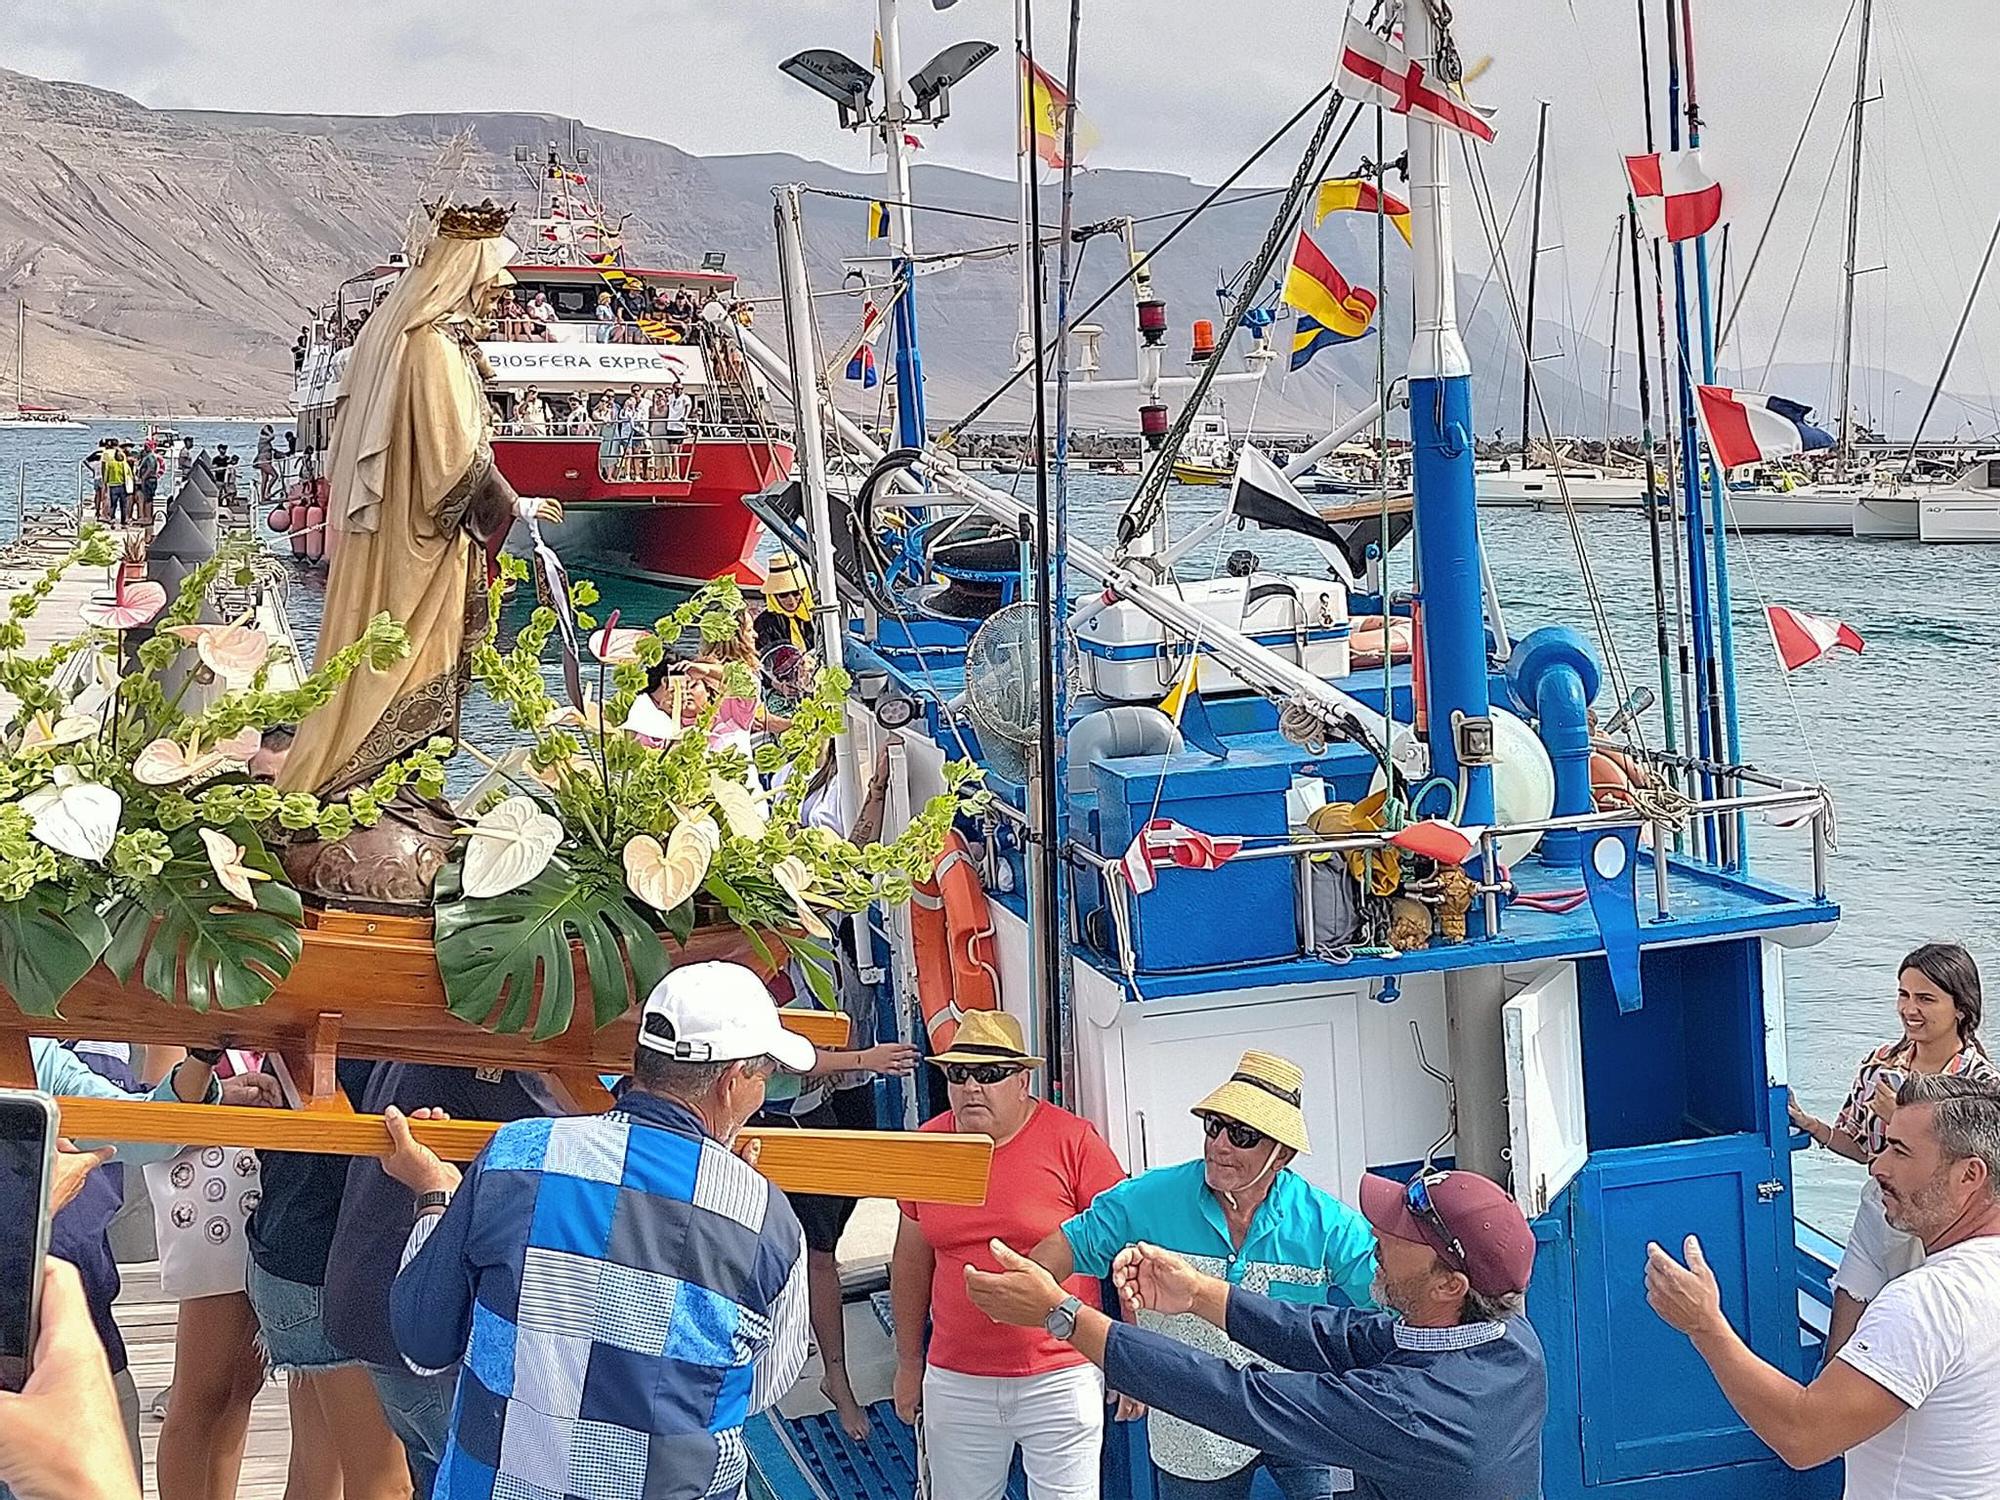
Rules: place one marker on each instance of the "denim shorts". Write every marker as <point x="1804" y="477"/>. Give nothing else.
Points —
<point x="291" y="1324"/>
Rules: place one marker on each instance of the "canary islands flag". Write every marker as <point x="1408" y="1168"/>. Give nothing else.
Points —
<point x="1361" y="196"/>
<point x="1330" y="311"/>
<point x="878" y="220"/>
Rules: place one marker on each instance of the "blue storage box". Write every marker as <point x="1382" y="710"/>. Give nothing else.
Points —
<point x="1242" y="912"/>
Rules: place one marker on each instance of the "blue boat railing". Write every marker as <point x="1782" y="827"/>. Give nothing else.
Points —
<point x="1813" y="802"/>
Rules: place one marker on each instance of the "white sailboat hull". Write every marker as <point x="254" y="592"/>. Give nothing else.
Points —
<point x="1543" y="490"/>
<point x="1959" y="516"/>
<point x="1886" y="517"/>
<point x="1800" y="511"/>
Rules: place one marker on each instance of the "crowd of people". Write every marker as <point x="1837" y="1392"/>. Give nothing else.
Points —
<point x="598" y="1303"/>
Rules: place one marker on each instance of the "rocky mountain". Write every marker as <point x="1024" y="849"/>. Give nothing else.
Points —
<point x="167" y="257"/>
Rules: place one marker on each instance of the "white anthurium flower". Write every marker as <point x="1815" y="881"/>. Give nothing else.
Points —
<point x="615" y="647"/>
<point x="225" y="857"/>
<point x="98" y="693"/>
<point x="45" y="732"/>
<point x="793" y="875"/>
<point x="664" y="878"/>
<point x="73" y="816"/>
<point x="589" y="718"/>
<point x="235" y="652"/>
<point x="509" y="846"/>
<point x="649" y="721"/>
<point x="742" y="808"/>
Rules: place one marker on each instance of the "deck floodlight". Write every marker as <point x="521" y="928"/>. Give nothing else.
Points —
<point x="522" y="155"/>
<point x="713" y="260"/>
<point x="837" y="76"/>
<point x="931" y="84"/>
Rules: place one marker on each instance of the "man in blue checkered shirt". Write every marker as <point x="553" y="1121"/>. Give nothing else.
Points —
<point x="620" y="1291"/>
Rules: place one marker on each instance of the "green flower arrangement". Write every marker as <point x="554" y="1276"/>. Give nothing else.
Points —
<point x="133" y="832"/>
<point x="653" y="818"/>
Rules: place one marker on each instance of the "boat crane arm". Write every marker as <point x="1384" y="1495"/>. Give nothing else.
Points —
<point x="1262" y="668"/>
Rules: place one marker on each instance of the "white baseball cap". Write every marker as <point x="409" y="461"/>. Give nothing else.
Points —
<point x="718" y="1012"/>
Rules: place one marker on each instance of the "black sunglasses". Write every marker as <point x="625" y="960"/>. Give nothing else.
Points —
<point x="989" y="1073"/>
<point x="1418" y="1197"/>
<point x="1241" y="1136"/>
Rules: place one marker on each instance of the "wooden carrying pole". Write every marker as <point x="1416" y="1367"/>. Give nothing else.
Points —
<point x="926" y="1167"/>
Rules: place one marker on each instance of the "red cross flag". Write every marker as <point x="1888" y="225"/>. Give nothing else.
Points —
<point x="1376" y="71"/>
<point x="1164" y="844"/>
<point x="1675" y="196"/>
<point x="1802" y="638"/>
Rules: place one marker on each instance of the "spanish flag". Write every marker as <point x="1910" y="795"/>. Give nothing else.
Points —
<point x="1043" y="106"/>
<point x="1359" y="195"/>
<point x="1322" y="294"/>
<point x="878" y="220"/>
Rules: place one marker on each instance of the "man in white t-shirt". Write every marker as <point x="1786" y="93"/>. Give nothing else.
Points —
<point x="1913" y="1398"/>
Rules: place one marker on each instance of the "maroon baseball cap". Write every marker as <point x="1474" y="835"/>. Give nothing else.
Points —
<point x="1489" y="1228"/>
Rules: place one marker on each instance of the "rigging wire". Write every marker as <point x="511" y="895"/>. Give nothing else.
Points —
<point x="1819" y="211"/>
<point x="1139" y="262"/>
<point x="1778" y="198"/>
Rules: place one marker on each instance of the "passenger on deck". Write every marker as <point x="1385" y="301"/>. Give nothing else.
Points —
<point x="542" y="313"/>
<point x="1939" y="1004"/>
<point x="678" y="409"/>
<point x="531" y="415"/>
<point x="624" y="1289"/>
<point x="267" y="465"/>
<point x="1911" y="1399"/>
<point x="1240" y="1213"/>
<point x="606" y="318"/>
<point x="984" y="1391"/>
<point x="299" y="347"/>
<point x="787" y="617"/>
<point x="1444" y="1394"/>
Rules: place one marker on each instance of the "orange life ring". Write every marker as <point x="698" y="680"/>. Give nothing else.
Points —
<point x="1611" y="783"/>
<point x="952" y="931"/>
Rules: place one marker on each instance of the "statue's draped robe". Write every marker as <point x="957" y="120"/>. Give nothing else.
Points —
<point x="411" y="484"/>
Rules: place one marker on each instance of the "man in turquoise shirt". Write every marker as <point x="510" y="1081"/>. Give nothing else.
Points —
<point x="1239" y="1214"/>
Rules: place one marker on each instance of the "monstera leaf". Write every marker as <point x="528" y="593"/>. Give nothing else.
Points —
<point x="506" y="959"/>
<point x="201" y="946"/>
<point x="46" y="947"/>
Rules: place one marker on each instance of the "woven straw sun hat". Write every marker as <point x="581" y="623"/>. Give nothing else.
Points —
<point x="1265" y="1093"/>
<point x="988" y="1036"/>
<point x="782" y="577"/>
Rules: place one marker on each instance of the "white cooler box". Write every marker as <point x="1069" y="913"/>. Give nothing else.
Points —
<point x="1127" y="656"/>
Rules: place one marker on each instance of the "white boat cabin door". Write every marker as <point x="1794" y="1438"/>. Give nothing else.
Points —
<point x="1545" y="1104"/>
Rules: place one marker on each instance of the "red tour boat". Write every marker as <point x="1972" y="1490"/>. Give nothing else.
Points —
<point x="621" y="391"/>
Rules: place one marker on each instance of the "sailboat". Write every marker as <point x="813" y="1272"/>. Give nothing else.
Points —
<point x="24" y="415"/>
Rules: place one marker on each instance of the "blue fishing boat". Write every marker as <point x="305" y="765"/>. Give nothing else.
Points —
<point x="1584" y="999"/>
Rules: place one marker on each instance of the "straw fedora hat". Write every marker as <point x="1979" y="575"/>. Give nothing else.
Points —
<point x="988" y="1036"/>
<point x="1265" y="1093"/>
<point x="782" y="577"/>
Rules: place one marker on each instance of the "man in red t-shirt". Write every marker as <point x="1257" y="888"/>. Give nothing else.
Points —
<point x="985" y="1390"/>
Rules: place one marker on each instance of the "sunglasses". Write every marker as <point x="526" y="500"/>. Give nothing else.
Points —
<point x="1241" y="1136"/>
<point x="1417" y="1196"/>
<point x="987" y="1073"/>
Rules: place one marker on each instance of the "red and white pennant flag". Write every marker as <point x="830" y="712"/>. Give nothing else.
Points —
<point x="1675" y="197"/>
<point x="1164" y="844"/>
<point x="1802" y="638"/>
<point x="1376" y="71"/>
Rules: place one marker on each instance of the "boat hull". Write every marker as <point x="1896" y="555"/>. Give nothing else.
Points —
<point x="687" y="530"/>
<point x="1541" y="489"/>
<point x="1886" y="517"/>
<point x="1201" y="474"/>
<point x="1960" y="517"/>
<point x="1800" y="512"/>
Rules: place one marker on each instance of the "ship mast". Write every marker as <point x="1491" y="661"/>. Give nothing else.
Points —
<point x="1845" y="453"/>
<point x="894" y="125"/>
<point x="1534" y="260"/>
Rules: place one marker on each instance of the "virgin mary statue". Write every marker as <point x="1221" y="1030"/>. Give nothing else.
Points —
<point x="412" y="488"/>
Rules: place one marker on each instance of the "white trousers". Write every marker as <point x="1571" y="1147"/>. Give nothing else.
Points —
<point x="1877" y="1252"/>
<point x="973" y="1423"/>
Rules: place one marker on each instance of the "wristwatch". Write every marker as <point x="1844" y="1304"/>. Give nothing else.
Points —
<point x="1061" y="1321"/>
<point x="438" y="1198"/>
<point x="209" y="1055"/>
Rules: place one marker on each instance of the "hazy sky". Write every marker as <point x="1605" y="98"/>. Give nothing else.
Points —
<point x="1190" y="86"/>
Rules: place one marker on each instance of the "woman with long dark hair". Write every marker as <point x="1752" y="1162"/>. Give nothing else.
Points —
<point x="1939" y="1004"/>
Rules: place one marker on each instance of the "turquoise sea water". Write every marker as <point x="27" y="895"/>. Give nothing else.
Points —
<point x="1903" y="734"/>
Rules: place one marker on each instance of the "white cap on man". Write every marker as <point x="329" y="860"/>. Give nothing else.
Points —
<point x="718" y="1012"/>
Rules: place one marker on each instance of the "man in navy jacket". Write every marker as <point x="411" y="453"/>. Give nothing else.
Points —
<point x="1443" y="1395"/>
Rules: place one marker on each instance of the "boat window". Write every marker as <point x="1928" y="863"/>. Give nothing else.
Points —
<point x="1993" y="474"/>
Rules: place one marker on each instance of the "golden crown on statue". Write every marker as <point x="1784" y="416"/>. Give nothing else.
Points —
<point x="467" y="221"/>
